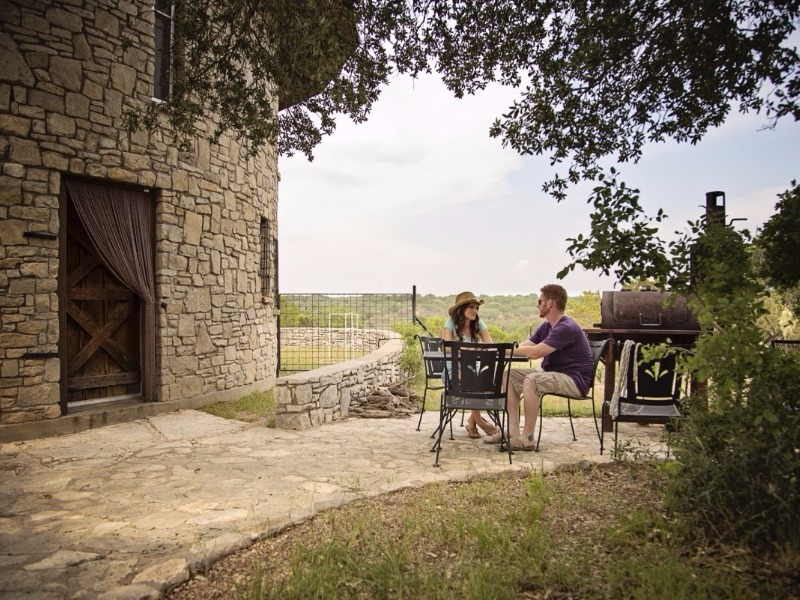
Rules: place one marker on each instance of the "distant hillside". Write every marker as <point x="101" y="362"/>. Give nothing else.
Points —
<point x="515" y="316"/>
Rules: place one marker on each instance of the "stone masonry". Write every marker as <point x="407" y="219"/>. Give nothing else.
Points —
<point x="307" y="400"/>
<point x="69" y="72"/>
<point x="335" y="337"/>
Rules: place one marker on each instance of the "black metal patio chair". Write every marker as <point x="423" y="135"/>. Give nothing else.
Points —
<point x="645" y="392"/>
<point x="433" y="370"/>
<point x="598" y="354"/>
<point x="477" y="379"/>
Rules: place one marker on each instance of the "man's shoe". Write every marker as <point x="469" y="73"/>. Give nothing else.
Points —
<point x="525" y="443"/>
<point x="493" y="439"/>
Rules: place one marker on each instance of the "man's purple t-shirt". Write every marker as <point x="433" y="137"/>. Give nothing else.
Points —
<point x="573" y="356"/>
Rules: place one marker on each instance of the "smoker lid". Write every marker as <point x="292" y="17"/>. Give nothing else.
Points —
<point x="643" y="309"/>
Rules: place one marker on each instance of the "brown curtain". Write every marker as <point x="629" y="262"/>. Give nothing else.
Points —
<point x="118" y="223"/>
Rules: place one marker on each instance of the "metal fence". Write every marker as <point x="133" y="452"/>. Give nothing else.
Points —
<point x="322" y="329"/>
<point x="789" y="345"/>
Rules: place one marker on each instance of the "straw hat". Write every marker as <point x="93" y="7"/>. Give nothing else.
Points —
<point x="462" y="299"/>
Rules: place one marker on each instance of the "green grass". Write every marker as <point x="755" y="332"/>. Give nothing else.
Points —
<point x="595" y="534"/>
<point x="372" y="556"/>
<point x="294" y="357"/>
<point x="258" y="407"/>
<point x="602" y="533"/>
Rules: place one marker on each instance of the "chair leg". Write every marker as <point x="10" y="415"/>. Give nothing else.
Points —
<point x="424" y="399"/>
<point x="439" y="430"/>
<point x="505" y="437"/>
<point x="508" y="441"/>
<point x="596" y="426"/>
<point x="668" y="429"/>
<point x="571" y="426"/>
<point x="445" y="416"/>
<point x="602" y="440"/>
<point x="503" y="424"/>
<point x="450" y="420"/>
<point x="436" y="431"/>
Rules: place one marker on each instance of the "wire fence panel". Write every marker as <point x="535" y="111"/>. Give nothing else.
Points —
<point x="323" y="329"/>
<point x="788" y="345"/>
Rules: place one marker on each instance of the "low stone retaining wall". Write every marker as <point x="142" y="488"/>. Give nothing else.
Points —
<point x="334" y="337"/>
<point x="306" y="400"/>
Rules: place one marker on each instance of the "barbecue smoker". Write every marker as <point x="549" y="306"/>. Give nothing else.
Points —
<point x="643" y="317"/>
<point x="646" y="316"/>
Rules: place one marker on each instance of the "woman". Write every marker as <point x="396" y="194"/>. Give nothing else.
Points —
<point x="465" y="326"/>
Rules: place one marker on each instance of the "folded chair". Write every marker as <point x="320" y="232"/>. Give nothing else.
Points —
<point x="598" y="355"/>
<point x="477" y="379"/>
<point x="433" y="369"/>
<point x="644" y="392"/>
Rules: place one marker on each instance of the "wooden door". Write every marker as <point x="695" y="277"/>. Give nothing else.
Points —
<point x="102" y="325"/>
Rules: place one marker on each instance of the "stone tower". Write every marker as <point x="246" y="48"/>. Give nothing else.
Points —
<point x="74" y="330"/>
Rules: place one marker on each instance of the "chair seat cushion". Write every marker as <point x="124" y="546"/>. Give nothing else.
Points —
<point x="665" y="411"/>
<point x="460" y="402"/>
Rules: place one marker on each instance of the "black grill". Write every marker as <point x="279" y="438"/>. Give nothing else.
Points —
<point x="648" y="310"/>
<point x="645" y="317"/>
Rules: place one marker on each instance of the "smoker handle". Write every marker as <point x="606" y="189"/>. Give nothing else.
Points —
<point x="643" y="324"/>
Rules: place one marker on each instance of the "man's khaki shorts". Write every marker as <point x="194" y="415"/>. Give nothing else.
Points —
<point x="545" y="382"/>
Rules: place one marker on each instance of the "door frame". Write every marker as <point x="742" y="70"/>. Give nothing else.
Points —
<point x="62" y="272"/>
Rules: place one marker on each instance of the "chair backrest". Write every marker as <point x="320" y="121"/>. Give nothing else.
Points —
<point x="433" y="367"/>
<point x="598" y="352"/>
<point x="654" y="382"/>
<point x="478" y="376"/>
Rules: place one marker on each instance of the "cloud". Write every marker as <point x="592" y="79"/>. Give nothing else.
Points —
<point x="420" y="194"/>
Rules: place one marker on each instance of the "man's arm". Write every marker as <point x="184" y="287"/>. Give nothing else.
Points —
<point x="533" y="351"/>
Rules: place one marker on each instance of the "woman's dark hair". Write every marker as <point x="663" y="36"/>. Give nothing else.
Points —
<point x="458" y="322"/>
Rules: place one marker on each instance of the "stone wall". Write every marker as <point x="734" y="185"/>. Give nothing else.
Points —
<point x="70" y="69"/>
<point x="308" y="399"/>
<point x="335" y="337"/>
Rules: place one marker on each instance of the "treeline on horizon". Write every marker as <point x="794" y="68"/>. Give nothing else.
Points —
<point x="509" y="317"/>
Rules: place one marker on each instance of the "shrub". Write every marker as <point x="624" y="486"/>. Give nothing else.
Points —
<point x="738" y="474"/>
<point x="411" y="356"/>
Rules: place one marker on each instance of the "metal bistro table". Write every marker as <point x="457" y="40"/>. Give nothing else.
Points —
<point x="678" y="337"/>
<point x="439" y="355"/>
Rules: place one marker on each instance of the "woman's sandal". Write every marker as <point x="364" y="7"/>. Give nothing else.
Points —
<point x="472" y="429"/>
<point x="489" y="428"/>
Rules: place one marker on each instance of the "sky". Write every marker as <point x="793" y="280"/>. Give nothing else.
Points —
<point x="420" y="195"/>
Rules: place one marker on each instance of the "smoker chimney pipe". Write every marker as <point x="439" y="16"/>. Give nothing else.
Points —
<point x="715" y="207"/>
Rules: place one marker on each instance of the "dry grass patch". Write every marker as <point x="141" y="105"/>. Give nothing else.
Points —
<point x="594" y="533"/>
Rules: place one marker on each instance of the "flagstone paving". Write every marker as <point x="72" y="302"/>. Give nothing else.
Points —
<point x="131" y="510"/>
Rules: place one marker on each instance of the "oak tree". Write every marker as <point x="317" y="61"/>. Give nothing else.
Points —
<point x="596" y="81"/>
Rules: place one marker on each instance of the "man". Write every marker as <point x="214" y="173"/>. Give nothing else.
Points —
<point x="566" y="366"/>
